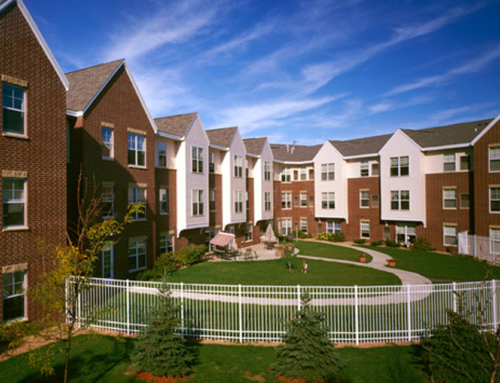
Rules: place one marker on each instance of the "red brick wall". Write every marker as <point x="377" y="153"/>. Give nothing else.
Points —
<point x="215" y="182"/>
<point x="42" y="154"/>
<point x="166" y="223"/>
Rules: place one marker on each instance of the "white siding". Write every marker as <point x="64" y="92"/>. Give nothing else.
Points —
<point x="261" y="186"/>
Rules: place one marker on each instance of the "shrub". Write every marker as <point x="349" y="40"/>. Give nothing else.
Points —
<point x="377" y="243"/>
<point x="337" y="237"/>
<point x="360" y="241"/>
<point x="309" y="235"/>
<point x="190" y="255"/>
<point x="322" y="236"/>
<point x="307" y="353"/>
<point x="299" y="234"/>
<point x="390" y="243"/>
<point x="421" y="244"/>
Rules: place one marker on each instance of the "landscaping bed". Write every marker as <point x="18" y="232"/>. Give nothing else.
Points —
<point x="326" y="250"/>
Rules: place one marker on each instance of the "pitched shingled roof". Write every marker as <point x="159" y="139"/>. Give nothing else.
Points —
<point x="294" y="153"/>
<point x="254" y="145"/>
<point x="177" y="125"/>
<point x="85" y="83"/>
<point x="455" y="134"/>
<point x="361" y="146"/>
<point x="221" y="137"/>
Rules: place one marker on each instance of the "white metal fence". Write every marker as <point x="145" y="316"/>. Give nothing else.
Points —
<point x="485" y="248"/>
<point x="354" y="314"/>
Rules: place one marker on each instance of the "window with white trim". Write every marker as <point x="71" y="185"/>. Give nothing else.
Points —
<point x="449" y="198"/>
<point x="400" y="166"/>
<point x="107" y="261"/>
<point x="375" y="200"/>
<point x="286" y="226"/>
<point x="364" y="229"/>
<point x="406" y="234"/>
<point x="464" y="201"/>
<point x="238" y="202"/>
<point x="136" y="254"/>
<point x="333" y="227"/>
<point x="495" y="240"/>
<point x="303" y="199"/>
<point x="328" y="200"/>
<point x="14" y="296"/>
<point x="137" y="198"/>
<point x="247" y="198"/>
<point x="238" y="166"/>
<point x="286" y="200"/>
<point x="107" y="142"/>
<point x="449" y="162"/>
<point x="212" y="200"/>
<point x="328" y="172"/>
<point x="450" y="235"/>
<point x="495" y="199"/>
<point x="267" y="201"/>
<point x="364" y="199"/>
<point x="364" y="168"/>
<point x="267" y="171"/>
<point x="211" y="162"/>
<point x="13" y="202"/>
<point x="161" y="154"/>
<point x="108" y="200"/>
<point x="303" y="225"/>
<point x="249" y="233"/>
<point x="303" y="174"/>
<point x="400" y="200"/>
<point x="197" y="159"/>
<point x="494" y="158"/>
<point x="163" y="193"/>
<point x="286" y="174"/>
<point x="13" y="109"/>
<point x="166" y="243"/>
<point x="375" y="169"/>
<point x="136" y="149"/>
<point x="197" y="205"/>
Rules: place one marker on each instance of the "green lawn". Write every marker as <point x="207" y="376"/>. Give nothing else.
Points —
<point x="439" y="267"/>
<point x="106" y="359"/>
<point x="275" y="272"/>
<point x="325" y="250"/>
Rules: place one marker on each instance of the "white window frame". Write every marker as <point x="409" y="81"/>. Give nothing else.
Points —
<point x="286" y="200"/>
<point x="364" y="169"/>
<point x="238" y="202"/>
<point x="405" y="233"/>
<point x="364" y="232"/>
<point x="303" y="225"/>
<point x="107" y="141"/>
<point x="108" y="249"/>
<point x="328" y="200"/>
<point x="364" y="199"/>
<point x="108" y="197"/>
<point x="286" y="229"/>
<point x="249" y="233"/>
<point x="449" y="162"/>
<point x="14" y="294"/>
<point x="197" y="208"/>
<point x="495" y="240"/>
<point x="496" y="199"/>
<point x="448" y="198"/>
<point x="328" y="172"/>
<point x="303" y="174"/>
<point x="238" y="166"/>
<point x="211" y="162"/>
<point x="397" y="165"/>
<point x="163" y="200"/>
<point x="447" y="235"/>
<point x="267" y="201"/>
<point x="303" y="199"/>
<point x="286" y="174"/>
<point x="135" y="142"/>
<point x="399" y="200"/>
<point x="212" y="200"/>
<point x="197" y="160"/>
<point x="494" y="155"/>
<point x="166" y="243"/>
<point x="134" y="251"/>
<point x="161" y="147"/>
<point x="267" y="171"/>
<point x="12" y="108"/>
<point x="333" y="227"/>
<point x="134" y="193"/>
<point x="14" y="201"/>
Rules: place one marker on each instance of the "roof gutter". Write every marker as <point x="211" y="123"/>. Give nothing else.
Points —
<point x="213" y="146"/>
<point x="73" y="113"/>
<point x="293" y="162"/>
<point x="170" y="136"/>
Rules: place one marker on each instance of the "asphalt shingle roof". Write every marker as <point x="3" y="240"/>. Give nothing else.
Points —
<point x="361" y="146"/>
<point x="299" y="153"/>
<point x="254" y="145"/>
<point x="221" y="137"/>
<point x="177" y="125"/>
<point x="85" y="83"/>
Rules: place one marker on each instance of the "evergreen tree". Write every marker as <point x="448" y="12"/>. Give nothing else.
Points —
<point x="307" y="354"/>
<point x="159" y="350"/>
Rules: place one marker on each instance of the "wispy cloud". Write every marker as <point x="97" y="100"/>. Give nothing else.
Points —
<point x="470" y="67"/>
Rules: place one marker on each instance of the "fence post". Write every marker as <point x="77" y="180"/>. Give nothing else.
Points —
<point x="356" y="319"/>
<point x="409" y="312"/>
<point x="79" y="308"/>
<point x="128" y="306"/>
<point x="298" y="298"/>
<point x="240" y="314"/>
<point x="66" y="300"/>
<point x="454" y="297"/>
<point x="182" y="307"/>
<point x="474" y="241"/>
<point x="494" y="297"/>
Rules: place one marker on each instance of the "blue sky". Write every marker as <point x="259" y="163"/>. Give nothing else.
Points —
<point x="293" y="70"/>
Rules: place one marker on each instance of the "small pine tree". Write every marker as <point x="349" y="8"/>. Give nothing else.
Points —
<point x="307" y="354"/>
<point x="159" y="350"/>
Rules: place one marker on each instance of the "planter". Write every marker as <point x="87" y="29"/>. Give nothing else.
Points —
<point x="392" y="262"/>
<point x="279" y="250"/>
<point x="290" y="246"/>
<point x="362" y="258"/>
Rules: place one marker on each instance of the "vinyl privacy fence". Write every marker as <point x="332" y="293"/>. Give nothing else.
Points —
<point x="354" y="314"/>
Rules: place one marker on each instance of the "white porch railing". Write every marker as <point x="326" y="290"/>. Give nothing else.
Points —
<point x="485" y="248"/>
<point x="354" y="314"/>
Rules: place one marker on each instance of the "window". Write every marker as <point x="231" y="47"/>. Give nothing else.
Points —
<point x="197" y="159"/>
<point x="14" y="295"/>
<point x="296" y="201"/>
<point x="211" y="162"/>
<point x="465" y="163"/>
<point x="136" y="254"/>
<point x="464" y="201"/>
<point x="365" y="229"/>
<point x="14" y="202"/>
<point x="400" y="166"/>
<point x="249" y="233"/>
<point x="333" y="227"/>
<point x="108" y="200"/>
<point x="400" y="200"/>
<point x="286" y="200"/>
<point x="212" y="200"/>
<point x="303" y="199"/>
<point x="137" y="198"/>
<point x="449" y="198"/>
<point x="230" y="230"/>
<point x="136" y="149"/>
<point x="364" y="169"/>
<point x="406" y="234"/>
<point x="494" y="153"/>
<point x="449" y="162"/>
<point x="327" y="172"/>
<point x="161" y="154"/>
<point x="286" y="175"/>
<point x="13" y="109"/>
<point x="197" y="202"/>
<point x="495" y="240"/>
<point x="247" y="167"/>
<point x="328" y="200"/>
<point x="267" y="201"/>
<point x="107" y="261"/>
<point x="295" y="175"/>
<point x="375" y="171"/>
<point x="303" y="174"/>
<point x="107" y="142"/>
<point x="238" y="166"/>
<point x="364" y="199"/>
<point x="311" y="201"/>
<point x="286" y="226"/>
<point x="166" y="243"/>
<point x="495" y="199"/>
<point x="303" y="225"/>
<point x="450" y="235"/>
<point x="375" y="201"/>
<point x="238" y="202"/>
<point x="163" y="201"/>
<point x="267" y="171"/>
